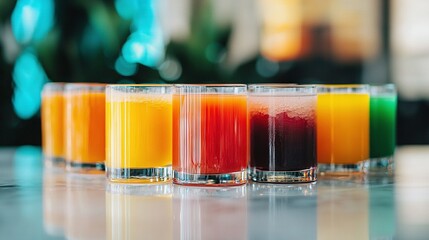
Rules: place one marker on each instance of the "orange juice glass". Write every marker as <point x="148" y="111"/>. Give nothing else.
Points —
<point x="85" y="127"/>
<point x="52" y="116"/>
<point x="342" y="128"/>
<point x="139" y="133"/>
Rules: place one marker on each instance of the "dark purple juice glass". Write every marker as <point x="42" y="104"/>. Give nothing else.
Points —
<point x="282" y="133"/>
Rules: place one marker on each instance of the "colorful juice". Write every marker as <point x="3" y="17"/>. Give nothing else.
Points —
<point x="210" y="133"/>
<point x="382" y="126"/>
<point x="282" y="132"/>
<point x="52" y="116"/>
<point x="342" y="128"/>
<point x="85" y="127"/>
<point x="139" y="130"/>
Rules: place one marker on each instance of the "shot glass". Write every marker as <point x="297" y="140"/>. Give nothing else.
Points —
<point x="139" y="133"/>
<point x="383" y="103"/>
<point x="210" y="136"/>
<point x="283" y="144"/>
<point x="85" y="127"/>
<point x="52" y="118"/>
<point x="342" y="128"/>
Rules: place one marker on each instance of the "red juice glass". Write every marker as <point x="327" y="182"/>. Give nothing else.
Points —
<point x="210" y="135"/>
<point x="282" y="119"/>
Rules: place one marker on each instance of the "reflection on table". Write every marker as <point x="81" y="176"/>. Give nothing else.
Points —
<point x="286" y="211"/>
<point x="210" y="213"/>
<point x="87" y="207"/>
<point x="139" y="211"/>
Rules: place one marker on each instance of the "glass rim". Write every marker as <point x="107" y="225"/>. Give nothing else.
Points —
<point x="218" y="89"/>
<point x="212" y="85"/>
<point x="342" y="85"/>
<point x="282" y="89"/>
<point x="138" y="89"/>
<point x="54" y="87"/>
<point x="276" y="84"/>
<point x="98" y="87"/>
<point x="342" y="88"/>
<point x="139" y="85"/>
<point x="383" y="89"/>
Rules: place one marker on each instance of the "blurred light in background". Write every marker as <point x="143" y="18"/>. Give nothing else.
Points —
<point x="145" y="45"/>
<point x="127" y="9"/>
<point x="266" y="68"/>
<point x="32" y="20"/>
<point x="125" y="68"/>
<point x="170" y="69"/>
<point x="345" y="30"/>
<point x="29" y="77"/>
<point x="144" y="49"/>
<point x="410" y="48"/>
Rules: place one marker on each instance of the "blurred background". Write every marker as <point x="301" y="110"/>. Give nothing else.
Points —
<point x="202" y="41"/>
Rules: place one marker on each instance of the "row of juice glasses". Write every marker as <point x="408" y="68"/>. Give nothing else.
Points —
<point x="73" y="125"/>
<point x="217" y="134"/>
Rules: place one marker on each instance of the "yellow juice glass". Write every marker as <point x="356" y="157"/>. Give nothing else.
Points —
<point x="139" y="133"/>
<point x="342" y="128"/>
<point x="52" y="118"/>
<point x="85" y="127"/>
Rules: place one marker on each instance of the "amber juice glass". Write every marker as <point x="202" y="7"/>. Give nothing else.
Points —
<point x="52" y="118"/>
<point x="342" y="128"/>
<point x="85" y="127"/>
<point x="139" y="133"/>
<point x="210" y="135"/>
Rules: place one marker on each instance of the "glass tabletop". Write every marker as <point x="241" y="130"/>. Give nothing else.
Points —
<point x="41" y="202"/>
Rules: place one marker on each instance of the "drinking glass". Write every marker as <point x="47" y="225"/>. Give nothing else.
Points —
<point x="210" y="135"/>
<point x="139" y="133"/>
<point x="52" y="118"/>
<point x="342" y="128"/>
<point x="383" y="101"/>
<point x="282" y="133"/>
<point x="85" y="127"/>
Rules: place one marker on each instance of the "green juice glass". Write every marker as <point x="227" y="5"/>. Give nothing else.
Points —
<point x="383" y="104"/>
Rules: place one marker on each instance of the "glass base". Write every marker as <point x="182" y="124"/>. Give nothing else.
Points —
<point x="139" y="175"/>
<point x="302" y="176"/>
<point x="340" y="169"/>
<point x="87" y="168"/>
<point x="57" y="162"/>
<point x="214" y="180"/>
<point x="383" y="165"/>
